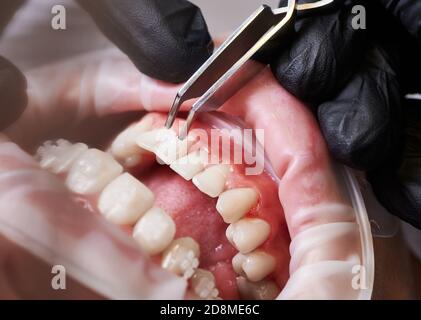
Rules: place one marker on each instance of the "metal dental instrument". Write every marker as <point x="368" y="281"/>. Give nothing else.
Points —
<point x="213" y="83"/>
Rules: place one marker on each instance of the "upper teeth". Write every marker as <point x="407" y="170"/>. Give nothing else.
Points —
<point x="190" y="165"/>
<point x="92" y="171"/>
<point x="255" y="265"/>
<point x="124" y="147"/>
<point x="125" y="199"/>
<point x="171" y="150"/>
<point x="233" y="204"/>
<point x="248" y="233"/>
<point x="148" y="140"/>
<point x="182" y="257"/>
<point x="203" y="284"/>
<point x="212" y="180"/>
<point x="154" y="231"/>
<point x="58" y="156"/>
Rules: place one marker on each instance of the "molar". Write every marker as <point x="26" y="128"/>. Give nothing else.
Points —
<point x="182" y="257"/>
<point x="125" y="199"/>
<point x="203" y="284"/>
<point x="58" y="157"/>
<point x="154" y="231"/>
<point x="248" y="233"/>
<point x="212" y="180"/>
<point x="233" y="204"/>
<point x="92" y="171"/>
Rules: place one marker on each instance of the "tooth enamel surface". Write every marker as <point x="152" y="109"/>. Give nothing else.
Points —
<point x="132" y="161"/>
<point x="92" y="171"/>
<point x="190" y="165"/>
<point x="257" y="265"/>
<point x="182" y="257"/>
<point x="154" y="231"/>
<point x="149" y="140"/>
<point x="235" y="203"/>
<point x="212" y="180"/>
<point x="124" y="147"/>
<point x="125" y="199"/>
<point x="237" y="263"/>
<point x="261" y="290"/>
<point x="171" y="149"/>
<point x="203" y="284"/>
<point x="248" y="233"/>
<point x="59" y="156"/>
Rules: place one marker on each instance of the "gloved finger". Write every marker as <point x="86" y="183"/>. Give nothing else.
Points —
<point x="362" y="123"/>
<point x="408" y="13"/>
<point x="399" y="187"/>
<point x="167" y="40"/>
<point x="388" y="29"/>
<point x="322" y="56"/>
<point x="39" y="214"/>
<point x="13" y="98"/>
<point x="63" y="95"/>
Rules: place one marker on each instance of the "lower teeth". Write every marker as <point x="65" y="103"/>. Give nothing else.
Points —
<point x="203" y="284"/>
<point x="262" y="290"/>
<point x="182" y="257"/>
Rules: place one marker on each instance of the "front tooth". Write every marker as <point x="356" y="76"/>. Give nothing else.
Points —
<point x="190" y="165"/>
<point x="212" y="180"/>
<point x="235" y="203"/>
<point x="92" y="171"/>
<point x="124" y="147"/>
<point x="261" y="290"/>
<point x="203" y="284"/>
<point x="182" y="257"/>
<point x="58" y="157"/>
<point x="149" y="140"/>
<point x="154" y="231"/>
<point x="125" y="199"/>
<point x="248" y="233"/>
<point x="258" y="264"/>
<point x="171" y="149"/>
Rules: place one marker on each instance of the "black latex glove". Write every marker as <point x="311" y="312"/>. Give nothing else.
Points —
<point x="356" y="80"/>
<point x="166" y="39"/>
<point x="12" y="82"/>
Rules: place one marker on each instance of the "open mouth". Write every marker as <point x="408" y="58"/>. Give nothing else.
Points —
<point x="201" y="217"/>
<point x="196" y="214"/>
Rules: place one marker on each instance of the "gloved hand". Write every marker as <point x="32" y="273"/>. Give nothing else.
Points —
<point x="166" y="40"/>
<point x="356" y="80"/>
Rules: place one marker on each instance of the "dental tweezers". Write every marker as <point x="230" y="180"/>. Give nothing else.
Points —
<point x="213" y="83"/>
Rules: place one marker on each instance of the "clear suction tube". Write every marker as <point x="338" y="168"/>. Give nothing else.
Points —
<point x="367" y="248"/>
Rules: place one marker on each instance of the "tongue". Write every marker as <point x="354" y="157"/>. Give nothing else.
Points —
<point x="195" y="216"/>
